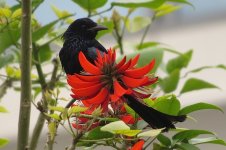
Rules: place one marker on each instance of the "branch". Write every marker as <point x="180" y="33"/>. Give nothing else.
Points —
<point x="25" y="100"/>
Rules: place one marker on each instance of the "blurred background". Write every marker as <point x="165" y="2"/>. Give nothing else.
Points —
<point x="201" y="28"/>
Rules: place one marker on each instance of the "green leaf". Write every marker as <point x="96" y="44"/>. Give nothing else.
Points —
<point x="157" y="146"/>
<point x="97" y="134"/>
<point x="113" y="126"/>
<point x="3" y="142"/>
<point x="197" y="107"/>
<point x="8" y="38"/>
<point x="57" y="108"/>
<point x="90" y="4"/>
<point x="147" y="44"/>
<point x="185" y="146"/>
<point x="168" y="104"/>
<point x="52" y="129"/>
<point x="179" y="62"/>
<point x="220" y="66"/>
<point x="137" y="23"/>
<point x="54" y="116"/>
<point x="150" y="133"/>
<point x="76" y="109"/>
<point x="169" y="84"/>
<point x="181" y="1"/>
<point x="166" y="9"/>
<point x="164" y="140"/>
<point x="36" y="3"/>
<point x="149" y="102"/>
<point x="6" y="59"/>
<point x="196" y="84"/>
<point x="150" y="4"/>
<point x="45" y="53"/>
<point x="128" y="132"/>
<point x="3" y="109"/>
<point x="212" y="140"/>
<point x="189" y="134"/>
<point x="59" y="13"/>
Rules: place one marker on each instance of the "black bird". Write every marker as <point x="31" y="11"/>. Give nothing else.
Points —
<point x="80" y="36"/>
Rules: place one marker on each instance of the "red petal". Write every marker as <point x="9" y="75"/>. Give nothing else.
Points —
<point x="118" y="89"/>
<point x="98" y="99"/>
<point x="139" y="72"/>
<point x="122" y="62"/>
<point x="114" y="97"/>
<point x="89" y="78"/>
<point x="86" y="92"/>
<point x="138" y="146"/>
<point x="113" y="57"/>
<point x="124" y="67"/>
<point x="87" y="66"/>
<point x="75" y="82"/>
<point x="128" y="119"/>
<point x="150" y="81"/>
<point x="134" y="60"/>
<point x="141" y="95"/>
<point x="132" y="82"/>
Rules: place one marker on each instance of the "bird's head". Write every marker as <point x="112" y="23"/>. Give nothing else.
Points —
<point x="83" y="27"/>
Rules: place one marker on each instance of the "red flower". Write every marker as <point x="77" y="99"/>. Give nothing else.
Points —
<point x="138" y="146"/>
<point x="107" y="81"/>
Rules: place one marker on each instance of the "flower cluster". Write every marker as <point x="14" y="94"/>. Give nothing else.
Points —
<point x="105" y="82"/>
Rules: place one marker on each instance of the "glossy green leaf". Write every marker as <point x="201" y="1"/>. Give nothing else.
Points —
<point x="150" y="133"/>
<point x="57" y="108"/>
<point x="3" y="142"/>
<point x="194" y="84"/>
<point x="3" y="109"/>
<point x="128" y="132"/>
<point x="76" y="109"/>
<point x="137" y="23"/>
<point x="157" y="146"/>
<point x="149" y="4"/>
<point x="189" y="134"/>
<point x="54" y="116"/>
<point x="166" y="9"/>
<point x="8" y="38"/>
<point x="96" y="134"/>
<point x="169" y="84"/>
<point x="211" y="140"/>
<point x="90" y="4"/>
<point x="186" y="146"/>
<point x="179" y="62"/>
<point x="197" y="107"/>
<point x="168" y="104"/>
<point x="164" y="140"/>
<point x="113" y="126"/>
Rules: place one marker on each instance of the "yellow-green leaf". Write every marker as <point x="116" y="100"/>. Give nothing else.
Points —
<point x="76" y="109"/>
<point x="128" y="132"/>
<point x="150" y="133"/>
<point x="52" y="129"/>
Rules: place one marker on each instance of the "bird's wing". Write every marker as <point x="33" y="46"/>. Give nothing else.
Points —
<point x="99" y="46"/>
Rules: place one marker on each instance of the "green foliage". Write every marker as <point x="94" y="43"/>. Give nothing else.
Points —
<point x="198" y="107"/>
<point x="150" y="133"/>
<point x="114" y="126"/>
<point x="3" y="142"/>
<point x="138" y="23"/>
<point x="90" y="4"/>
<point x="196" y="84"/>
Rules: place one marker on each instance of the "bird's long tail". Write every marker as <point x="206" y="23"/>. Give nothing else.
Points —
<point x="153" y="117"/>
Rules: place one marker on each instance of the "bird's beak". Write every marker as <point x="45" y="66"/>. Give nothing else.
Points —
<point x="98" y="28"/>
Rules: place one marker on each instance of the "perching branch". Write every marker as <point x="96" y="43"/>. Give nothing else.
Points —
<point x="25" y="100"/>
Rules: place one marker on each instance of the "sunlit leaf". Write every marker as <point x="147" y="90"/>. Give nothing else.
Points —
<point x="170" y="83"/>
<point x="149" y="4"/>
<point x="196" y="84"/>
<point x="5" y="12"/>
<point x="150" y="133"/>
<point x="212" y="140"/>
<point x="137" y="23"/>
<point x="57" y="108"/>
<point x="166" y="9"/>
<point x="197" y="107"/>
<point x="17" y="13"/>
<point x="90" y="4"/>
<point x="54" y="116"/>
<point x="60" y="13"/>
<point x="113" y="126"/>
<point x="168" y="104"/>
<point x="76" y="109"/>
<point x="3" y="142"/>
<point x="128" y="132"/>
<point x="52" y="129"/>
<point x="3" y="109"/>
